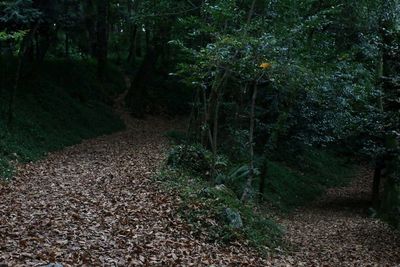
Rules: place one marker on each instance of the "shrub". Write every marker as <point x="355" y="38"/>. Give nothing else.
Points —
<point x="190" y="157"/>
<point x="205" y="208"/>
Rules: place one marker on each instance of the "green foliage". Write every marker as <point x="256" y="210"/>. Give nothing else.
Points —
<point x="332" y="81"/>
<point x="196" y="159"/>
<point x="18" y="13"/>
<point x="204" y="207"/>
<point x="17" y="36"/>
<point x="190" y="157"/>
<point x="187" y="156"/>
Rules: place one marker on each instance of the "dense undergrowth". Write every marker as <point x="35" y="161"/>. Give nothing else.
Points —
<point x="216" y="207"/>
<point x="212" y="211"/>
<point x="59" y="103"/>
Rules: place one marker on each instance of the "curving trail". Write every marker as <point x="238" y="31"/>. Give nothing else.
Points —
<point x="94" y="204"/>
<point x="336" y="231"/>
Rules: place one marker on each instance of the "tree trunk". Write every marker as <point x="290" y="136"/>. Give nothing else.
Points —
<point x="49" y="37"/>
<point x="251" y="12"/>
<point x="137" y="92"/>
<point x="90" y="22"/>
<point x="132" y="46"/>
<point x="250" y="177"/>
<point x="102" y="38"/>
<point x="138" y="43"/>
<point x="148" y="44"/>
<point x="213" y="108"/>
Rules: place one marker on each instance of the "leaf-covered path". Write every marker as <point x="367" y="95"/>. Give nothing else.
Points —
<point x="336" y="231"/>
<point x="95" y="204"/>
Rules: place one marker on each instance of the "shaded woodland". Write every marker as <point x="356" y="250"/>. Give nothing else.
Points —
<point x="269" y="107"/>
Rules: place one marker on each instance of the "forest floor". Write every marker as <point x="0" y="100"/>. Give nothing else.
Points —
<point x="336" y="231"/>
<point x="95" y="204"/>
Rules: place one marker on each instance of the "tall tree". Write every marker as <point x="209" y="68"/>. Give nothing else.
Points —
<point x="102" y="36"/>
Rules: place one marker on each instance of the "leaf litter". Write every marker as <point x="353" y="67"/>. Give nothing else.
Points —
<point x="95" y="204"/>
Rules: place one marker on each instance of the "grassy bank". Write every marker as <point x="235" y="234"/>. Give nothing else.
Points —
<point x="292" y="184"/>
<point x="58" y="104"/>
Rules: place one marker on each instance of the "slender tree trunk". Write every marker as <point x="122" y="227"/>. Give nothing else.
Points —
<point x="390" y="201"/>
<point x="214" y="144"/>
<point x="90" y="22"/>
<point x="192" y="117"/>
<point x="251" y="12"/>
<point x="204" y="125"/>
<point x="380" y="161"/>
<point x="239" y="105"/>
<point x="251" y="144"/>
<point x="138" y="43"/>
<point x="214" y="106"/>
<point x="147" y="36"/>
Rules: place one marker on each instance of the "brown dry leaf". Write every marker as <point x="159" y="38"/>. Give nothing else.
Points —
<point x="93" y="204"/>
